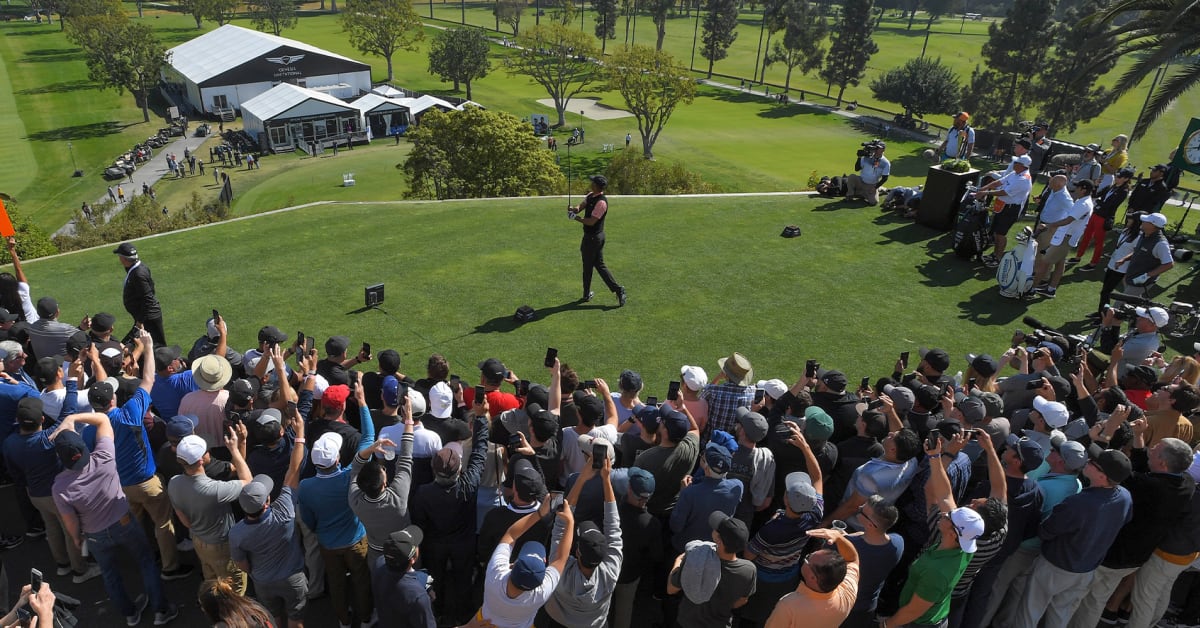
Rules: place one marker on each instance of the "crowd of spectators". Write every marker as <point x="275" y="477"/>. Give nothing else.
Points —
<point x="1040" y="486"/>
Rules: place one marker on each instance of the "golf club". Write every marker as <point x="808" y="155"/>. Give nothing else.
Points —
<point x="569" y="175"/>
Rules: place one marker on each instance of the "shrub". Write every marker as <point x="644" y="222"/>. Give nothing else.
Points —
<point x="141" y="217"/>
<point x="32" y="242"/>
<point x="630" y="173"/>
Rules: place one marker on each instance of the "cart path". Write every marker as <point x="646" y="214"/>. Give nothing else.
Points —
<point x="149" y="173"/>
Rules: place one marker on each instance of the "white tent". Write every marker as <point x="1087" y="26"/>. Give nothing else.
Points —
<point x="382" y="116"/>
<point x="288" y="116"/>
<point x="387" y="91"/>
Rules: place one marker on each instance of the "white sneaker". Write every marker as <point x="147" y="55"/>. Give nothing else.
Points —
<point x="92" y="571"/>
<point x="185" y="545"/>
<point x="63" y="570"/>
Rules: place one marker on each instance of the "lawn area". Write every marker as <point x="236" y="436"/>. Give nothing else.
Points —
<point x="739" y="142"/>
<point x="706" y="276"/>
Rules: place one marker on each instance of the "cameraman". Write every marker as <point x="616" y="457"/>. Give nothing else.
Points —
<point x="1151" y="256"/>
<point x="873" y="169"/>
<point x="1141" y="341"/>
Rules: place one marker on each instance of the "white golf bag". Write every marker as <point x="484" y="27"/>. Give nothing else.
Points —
<point x="1015" y="273"/>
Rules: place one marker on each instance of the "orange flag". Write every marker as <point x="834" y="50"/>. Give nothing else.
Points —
<point x="6" y="227"/>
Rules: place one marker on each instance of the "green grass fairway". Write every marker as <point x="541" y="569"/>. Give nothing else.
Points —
<point x="706" y="276"/>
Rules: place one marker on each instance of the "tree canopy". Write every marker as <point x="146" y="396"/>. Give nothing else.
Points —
<point x="921" y="86"/>
<point x="272" y="15"/>
<point x="560" y="59"/>
<point x="475" y="153"/>
<point x="121" y="54"/>
<point x="719" y="30"/>
<point x="803" y="40"/>
<point x="851" y="46"/>
<point x="460" y="54"/>
<point x="382" y="27"/>
<point x="653" y="84"/>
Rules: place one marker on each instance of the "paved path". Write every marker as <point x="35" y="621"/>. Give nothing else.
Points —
<point x="149" y="173"/>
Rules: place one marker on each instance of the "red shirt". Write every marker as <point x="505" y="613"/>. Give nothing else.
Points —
<point x="1136" y="397"/>
<point x="498" y="401"/>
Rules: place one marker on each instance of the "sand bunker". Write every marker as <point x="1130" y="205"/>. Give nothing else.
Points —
<point x="591" y="108"/>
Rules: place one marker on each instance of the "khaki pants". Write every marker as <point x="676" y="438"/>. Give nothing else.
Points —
<point x="151" y="498"/>
<point x="62" y="548"/>
<point x="855" y="186"/>
<point x="216" y="563"/>
<point x="347" y="571"/>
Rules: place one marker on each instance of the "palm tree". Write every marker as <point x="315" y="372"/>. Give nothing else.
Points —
<point x="1160" y="32"/>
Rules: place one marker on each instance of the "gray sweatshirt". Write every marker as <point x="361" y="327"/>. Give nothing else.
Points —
<point x="389" y="512"/>
<point x="580" y="602"/>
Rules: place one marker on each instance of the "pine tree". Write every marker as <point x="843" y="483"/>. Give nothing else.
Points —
<point x="720" y="29"/>
<point x="606" y="21"/>
<point x="1065" y="90"/>
<point x="851" y="46"/>
<point x="1014" y="52"/>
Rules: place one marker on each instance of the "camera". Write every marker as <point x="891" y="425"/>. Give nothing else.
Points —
<point x="868" y="148"/>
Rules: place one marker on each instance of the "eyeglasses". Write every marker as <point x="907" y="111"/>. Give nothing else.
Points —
<point x="862" y="515"/>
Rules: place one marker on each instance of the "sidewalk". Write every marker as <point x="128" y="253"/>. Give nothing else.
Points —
<point x="149" y="173"/>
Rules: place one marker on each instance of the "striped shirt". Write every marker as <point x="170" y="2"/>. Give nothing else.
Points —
<point x="986" y="547"/>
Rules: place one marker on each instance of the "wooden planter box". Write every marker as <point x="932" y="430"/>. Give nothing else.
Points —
<point x="939" y="199"/>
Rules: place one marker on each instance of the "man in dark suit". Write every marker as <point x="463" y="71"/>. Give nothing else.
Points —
<point x="139" y="298"/>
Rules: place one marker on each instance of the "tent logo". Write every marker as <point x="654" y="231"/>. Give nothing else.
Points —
<point x="285" y="59"/>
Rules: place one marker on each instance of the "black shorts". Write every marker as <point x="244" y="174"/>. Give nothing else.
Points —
<point x="1004" y="220"/>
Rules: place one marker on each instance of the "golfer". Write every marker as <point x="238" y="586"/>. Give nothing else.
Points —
<point x="591" y="212"/>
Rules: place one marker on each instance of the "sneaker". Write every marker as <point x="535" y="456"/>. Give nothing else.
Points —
<point x="63" y="570"/>
<point x="621" y="296"/>
<point x="162" y="618"/>
<point x="36" y="533"/>
<point x="9" y="542"/>
<point x="588" y="297"/>
<point x="1087" y="268"/>
<point x="91" y="572"/>
<point x="178" y="573"/>
<point x="1072" y="260"/>
<point x="139" y="605"/>
<point x="991" y="262"/>
<point x="1046" y="291"/>
<point x="185" y="545"/>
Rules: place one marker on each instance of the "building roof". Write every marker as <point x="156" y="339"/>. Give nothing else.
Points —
<point x="417" y="105"/>
<point x="284" y="97"/>
<point x="373" y="102"/>
<point x="229" y="46"/>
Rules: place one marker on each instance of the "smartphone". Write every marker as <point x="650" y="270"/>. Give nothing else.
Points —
<point x="291" y="408"/>
<point x="366" y="350"/>
<point x="586" y="384"/>
<point x="932" y="441"/>
<point x="514" y="441"/>
<point x="875" y="405"/>
<point x="556" y="500"/>
<point x="35" y="580"/>
<point x="673" y="391"/>
<point x="945" y="388"/>
<point x="216" y="315"/>
<point x="309" y="345"/>
<point x="904" y="359"/>
<point x="479" y="394"/>
<point x="299" y="339"/>
<point x="652" y="401"/>
<point x="1034" y="385"/>
<point x="507" y="374"/>
<point x="455" y="381"/>
<point x="759" y="395"/>
<point x="810" y="368"/>
<point x="866" y="383"/>
<point x="599" y="455"/>
<point x="522" y="388"/>
<point x="551" y="356"/>
<point x="971" y="383"/>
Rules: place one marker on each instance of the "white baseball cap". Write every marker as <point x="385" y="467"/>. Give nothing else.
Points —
<point x="693" y="377"/>
<point x="191" y="449"/>
<point x="1156" y="314"/>
<point x="327" y="449"/>
<point x="441" y="400"/>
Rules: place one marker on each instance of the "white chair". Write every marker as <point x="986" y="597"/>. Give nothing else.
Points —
<point x="348" y="179"/>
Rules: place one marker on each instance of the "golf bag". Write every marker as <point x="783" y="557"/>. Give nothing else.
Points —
<point x="1015" y="273"/>
<point x="971" y="237"/>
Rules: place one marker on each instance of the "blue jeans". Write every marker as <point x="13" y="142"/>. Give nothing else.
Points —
<point x="126" y="537"/>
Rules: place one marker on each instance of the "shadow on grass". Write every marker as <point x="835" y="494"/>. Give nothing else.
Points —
<point x="29" y="33"/>
<point x="987" y="307"/>
<point x="53" y="55"/>
<point x="781" y="111"/>
<point x="504" y="324"/>
<point x="910" y="166"/>
<point x="908" y="233"/>
<point x="78" y="132"/>
<point x="59" y="88"/>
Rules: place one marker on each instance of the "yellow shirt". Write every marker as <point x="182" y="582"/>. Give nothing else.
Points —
<point x="1114" y="162"/>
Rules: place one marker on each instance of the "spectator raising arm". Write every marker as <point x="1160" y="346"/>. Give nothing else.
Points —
<point x="610" y="407"/>
<point x="555" y="388"/>
<point x="147" y="344"/>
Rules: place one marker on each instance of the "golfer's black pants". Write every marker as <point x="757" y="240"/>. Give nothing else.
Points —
<point x="1112" y="279"/>
<point x="154" y="326"/>
<point x="592" y="251"/>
